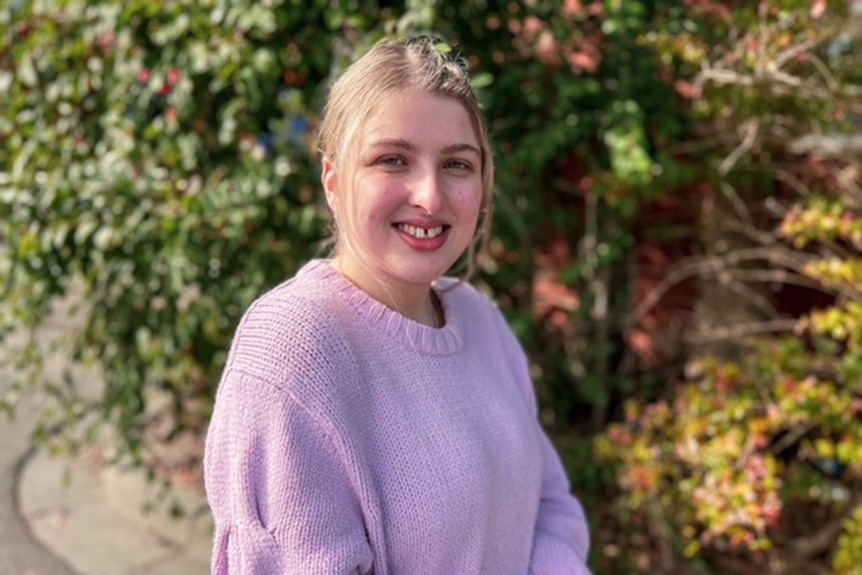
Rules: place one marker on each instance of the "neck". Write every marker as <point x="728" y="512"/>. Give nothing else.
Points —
<point x="414" y="301"/>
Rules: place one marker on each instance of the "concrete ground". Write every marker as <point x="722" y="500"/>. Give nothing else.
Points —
<point x="95" y="520"/>
<point x="78" y="517"/>
<point x="20" y="552"/>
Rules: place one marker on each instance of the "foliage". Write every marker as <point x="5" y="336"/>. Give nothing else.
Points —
<point x="739" y="445"/>
<point x="848" y="557"/>
<point x="759" y="456"/>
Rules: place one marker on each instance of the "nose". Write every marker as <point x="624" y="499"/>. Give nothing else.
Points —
<point x="427" y="192"/>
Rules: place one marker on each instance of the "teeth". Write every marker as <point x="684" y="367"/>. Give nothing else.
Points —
<point x="421" y="233"/>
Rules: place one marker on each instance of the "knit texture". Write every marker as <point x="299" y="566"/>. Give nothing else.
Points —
<point x="348" y="439"/>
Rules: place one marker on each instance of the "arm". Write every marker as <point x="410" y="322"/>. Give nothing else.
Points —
<point x="561" y="540"/>
<point x="279" y="492"/>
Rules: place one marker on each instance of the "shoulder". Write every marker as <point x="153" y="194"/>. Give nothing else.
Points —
<point x="294" y="331"/>
<point x="487" y="332"/>
<point x="294" y="347"/>
<point x="471" y="304"/>
<point x="486" y="328"/>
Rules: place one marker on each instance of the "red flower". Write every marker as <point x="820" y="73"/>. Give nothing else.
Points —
<point x="174" y="76"/>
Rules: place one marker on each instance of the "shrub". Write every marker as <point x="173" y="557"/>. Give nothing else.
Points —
<point x="732" y="458"/>
<point x="157" y="160"/>
<point x="758" y="456"/>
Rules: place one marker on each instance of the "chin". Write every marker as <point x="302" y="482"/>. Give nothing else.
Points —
<point x="412" y="273"/>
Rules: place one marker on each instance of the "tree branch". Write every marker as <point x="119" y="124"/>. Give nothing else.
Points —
<point x="740" y="330"/>
<point x="688" y="269"/>
<point x="824" y="539"/>
<point x="751" y="129"/>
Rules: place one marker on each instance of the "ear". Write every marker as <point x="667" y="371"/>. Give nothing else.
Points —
<point x="329" y="179"/>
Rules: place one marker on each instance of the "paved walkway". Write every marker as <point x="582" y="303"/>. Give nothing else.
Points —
<point x="20" y="553"/>
<point x="76" y="517"/>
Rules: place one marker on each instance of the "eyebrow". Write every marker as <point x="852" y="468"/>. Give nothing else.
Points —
<point x="409" y="147"/>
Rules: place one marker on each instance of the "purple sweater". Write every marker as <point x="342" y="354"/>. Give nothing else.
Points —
<point x="348" y="439"/>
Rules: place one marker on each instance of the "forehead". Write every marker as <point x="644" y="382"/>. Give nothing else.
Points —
<point x="423" y="116"/>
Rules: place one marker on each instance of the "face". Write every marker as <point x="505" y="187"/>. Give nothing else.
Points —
<point x="407" y="197"/>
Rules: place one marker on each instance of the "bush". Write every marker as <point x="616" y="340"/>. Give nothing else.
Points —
<point x="158" y="158"/>
<point x="755" y="460"/>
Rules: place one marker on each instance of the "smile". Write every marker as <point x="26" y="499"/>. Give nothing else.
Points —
<point x="421" y="233"/>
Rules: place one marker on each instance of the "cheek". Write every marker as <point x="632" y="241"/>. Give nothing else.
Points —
<point x="469" y="202"/>
<point x="373" y="200"/>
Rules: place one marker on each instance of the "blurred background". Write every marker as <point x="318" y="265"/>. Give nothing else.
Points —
<point x="677" y="239"/>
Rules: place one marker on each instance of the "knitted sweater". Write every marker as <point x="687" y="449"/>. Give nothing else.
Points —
<point x="348" y="439"/>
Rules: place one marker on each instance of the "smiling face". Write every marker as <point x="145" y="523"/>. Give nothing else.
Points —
<point x="407" y="197"/>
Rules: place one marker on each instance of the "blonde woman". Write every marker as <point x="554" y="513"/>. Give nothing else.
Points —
<point x="375" y="416"/>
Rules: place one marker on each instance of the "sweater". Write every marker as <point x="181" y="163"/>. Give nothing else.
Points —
<point x="348" y="439"/>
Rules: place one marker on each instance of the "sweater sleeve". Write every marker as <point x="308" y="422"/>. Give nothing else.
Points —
<point x="561" y="538"/>
<point x="279" y="492"/>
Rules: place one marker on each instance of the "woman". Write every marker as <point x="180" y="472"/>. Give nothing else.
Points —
<point x="374" y="416"/>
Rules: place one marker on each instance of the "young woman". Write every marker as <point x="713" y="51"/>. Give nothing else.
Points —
<point x="375" y="416"/>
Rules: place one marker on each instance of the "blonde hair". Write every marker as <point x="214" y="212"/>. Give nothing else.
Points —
<point x="417" y="64"/>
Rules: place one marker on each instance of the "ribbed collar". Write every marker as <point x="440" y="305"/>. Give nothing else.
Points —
<point x="412" y="334"/>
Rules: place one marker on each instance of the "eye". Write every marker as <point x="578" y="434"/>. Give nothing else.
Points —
<point x="392" y="161"/>
<point x="459" y="165"/>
